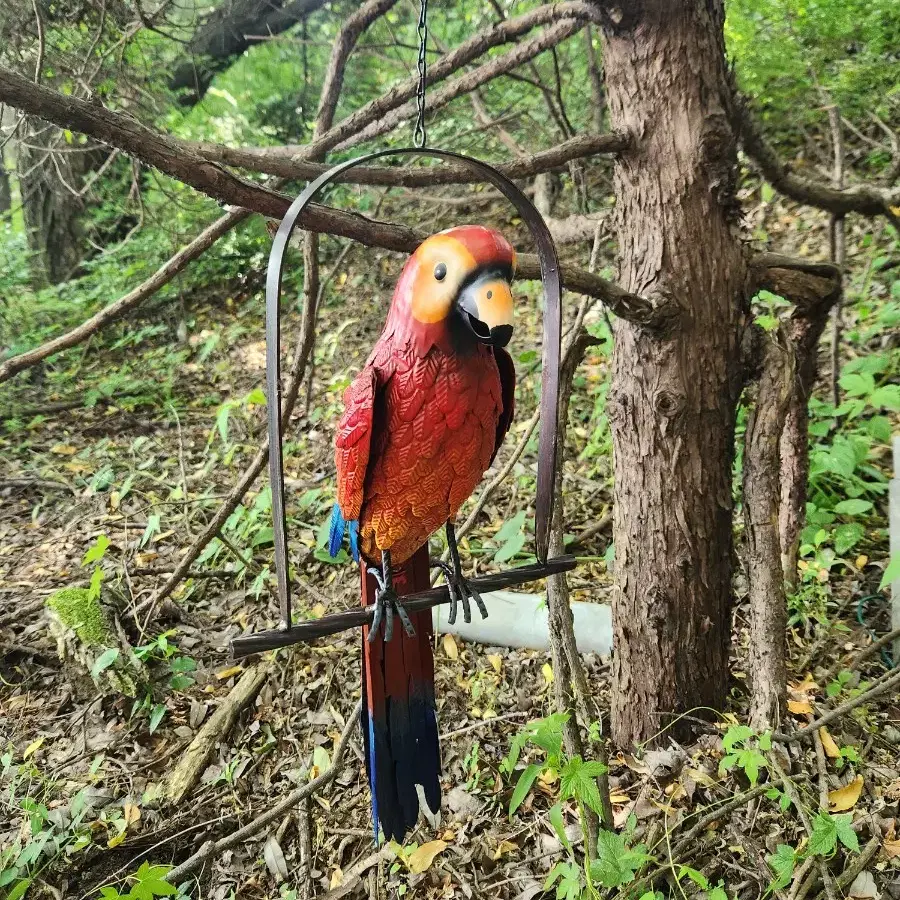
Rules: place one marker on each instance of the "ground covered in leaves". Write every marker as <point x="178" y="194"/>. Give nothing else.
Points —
<point x="115" y="458"/>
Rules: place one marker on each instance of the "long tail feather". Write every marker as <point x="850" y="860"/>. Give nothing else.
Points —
<point x="399" y="722"/>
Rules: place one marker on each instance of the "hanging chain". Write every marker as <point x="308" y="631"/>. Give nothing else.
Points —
<point x="419" y="136"/>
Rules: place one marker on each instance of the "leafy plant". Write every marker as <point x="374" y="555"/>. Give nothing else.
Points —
<point x="742" y="750"/>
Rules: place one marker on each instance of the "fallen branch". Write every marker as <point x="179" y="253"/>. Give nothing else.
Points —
<point x="865" y="199"/>
<point x="195" y="758"/>
<point x="123" y="305"/>
<point x="214" y="848"/>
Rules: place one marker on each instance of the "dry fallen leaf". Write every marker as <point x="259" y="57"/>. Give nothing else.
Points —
<point x="892" y="849"/>
<point x="619" y="798"/>
<point x="337" y="878"/>
<point x="547" y="669"/>
<point x="132" y="813"/>
<point x="831" y="748"/>
<point x="496" y="661"/>
<point x="229" y="672"/>
<point x="799" y="707"/>
<point x="420" y="859"/>
<point x="450" y="648"/>
<point x="845" y="798"/>
<point x="504" y="847"/>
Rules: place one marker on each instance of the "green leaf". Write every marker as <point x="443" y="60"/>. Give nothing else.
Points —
<point x="847" y="536"/>
<point x="556" y="820"/>
<point x="256" y="397"/>
<point x="616" y="864"/>
<point x="510" y="528"/>
<point x="858" y="385"/>
<point x="96" y="583"/>
<point x="97" y="550"/>
<point x="510" y="548"/>
<point x="887" y="397"/>
<point x="578" y="780"/>
<point x="717" y="893"/>
<point x="698" y="878"/>
<point x="156" y="716"/>
<point x="523" y="786"/>
<point x="19" y="889"/>
<point x="153" y="527"/>
<point x="782" y="863"/>
<point x="823" y="839"/>
<point x="222" y="421"/>
<point x="104" y="661"/>
<point x="149" y="883"/>
<point x="891" y="573"/>
<point x="852" y="507"/>
<point x="735" y="734"/>
<point x="846" y="835"/>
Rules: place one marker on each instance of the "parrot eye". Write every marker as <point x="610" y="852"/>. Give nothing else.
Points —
<point x="440" y="271"/>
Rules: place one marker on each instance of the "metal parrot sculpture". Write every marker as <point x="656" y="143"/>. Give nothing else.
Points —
<point x="421" y="424"/>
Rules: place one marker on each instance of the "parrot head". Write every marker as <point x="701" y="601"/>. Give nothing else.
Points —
<point x="455" y="290"/>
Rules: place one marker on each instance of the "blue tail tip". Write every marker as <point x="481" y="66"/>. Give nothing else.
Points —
<point x="339" y="526"/>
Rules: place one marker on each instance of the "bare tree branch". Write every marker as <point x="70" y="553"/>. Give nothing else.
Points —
<point x="865" y="199"/>
<point x="507" y="31"/>
<point x="175" y="158"/>
<point x="123" y="305"/>
<point x="290" y="162"/>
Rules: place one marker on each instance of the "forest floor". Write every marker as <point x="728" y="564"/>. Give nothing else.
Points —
<point x="130" y="452"/>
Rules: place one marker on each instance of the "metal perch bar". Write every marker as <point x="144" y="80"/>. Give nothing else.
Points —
<point x="354" y="618"/>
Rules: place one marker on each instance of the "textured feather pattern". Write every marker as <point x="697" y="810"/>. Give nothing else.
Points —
<point x="399" y="722"/>
<point x="423" y="429"/>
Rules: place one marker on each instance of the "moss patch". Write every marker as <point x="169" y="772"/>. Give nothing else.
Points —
<point x="83" y="614"/>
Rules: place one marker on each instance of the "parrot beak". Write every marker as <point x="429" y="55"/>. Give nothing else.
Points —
<point x="486" y="305"/>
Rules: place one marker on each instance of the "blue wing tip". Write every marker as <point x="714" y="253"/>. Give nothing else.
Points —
<point x="339" y="526"/>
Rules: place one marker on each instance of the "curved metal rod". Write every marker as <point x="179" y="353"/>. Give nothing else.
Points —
<point x="550" y="276"/>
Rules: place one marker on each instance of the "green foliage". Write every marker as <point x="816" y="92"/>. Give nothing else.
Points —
<point x="782" y="862"/>
<point x="616" y="862"/>
<point x="789" y="55"/>
<point x="147" y="884"/>
<point x="742" y="750"/>
<point x="827" y="830"/>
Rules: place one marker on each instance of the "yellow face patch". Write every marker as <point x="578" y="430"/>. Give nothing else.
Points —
<point x="444" y="264"/>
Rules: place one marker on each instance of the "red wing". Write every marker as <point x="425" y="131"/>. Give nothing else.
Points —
<point x="353" y="441"/>
<point x="508" y="392"/>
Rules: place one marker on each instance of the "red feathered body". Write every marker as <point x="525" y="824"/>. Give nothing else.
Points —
<point x="422" y="422"/>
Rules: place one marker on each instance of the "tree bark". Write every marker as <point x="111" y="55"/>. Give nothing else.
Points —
<point x="673" y="398"/>
<point x="761" y="490"/>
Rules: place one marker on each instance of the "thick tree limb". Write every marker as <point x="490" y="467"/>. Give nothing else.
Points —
<point x="225" y="35"/>
<point x="123" y="305"/>
<point x="175" y="158"/>
<point x="865" y="199"/>
<point x="290" y="162"/>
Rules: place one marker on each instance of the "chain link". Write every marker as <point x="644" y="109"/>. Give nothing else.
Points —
<point x="419" y="136"/>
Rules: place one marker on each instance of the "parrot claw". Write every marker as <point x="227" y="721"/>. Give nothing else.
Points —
<point x="387" y="603"/>
<point x="460" y="591"/>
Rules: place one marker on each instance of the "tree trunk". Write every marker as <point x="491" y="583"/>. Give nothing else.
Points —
<point x="762" y="493"/>
<point x="673" y="398"/>
<point x="5" y="187"/>
<point x="51" y="209"/>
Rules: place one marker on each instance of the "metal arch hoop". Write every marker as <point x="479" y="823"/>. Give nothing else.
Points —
<point x="552" y="284"/>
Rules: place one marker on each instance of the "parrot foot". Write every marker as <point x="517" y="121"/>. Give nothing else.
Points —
<point x="387" y="602"/>
<point x="461" y="590"/>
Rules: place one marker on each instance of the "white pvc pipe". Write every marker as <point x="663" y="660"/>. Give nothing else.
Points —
<point x="520" y="620"/>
